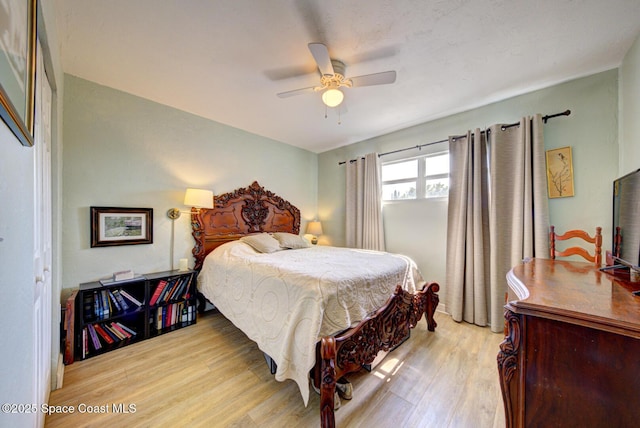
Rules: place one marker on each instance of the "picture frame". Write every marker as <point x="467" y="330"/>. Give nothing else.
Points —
<point x="18" y="67"/>
<point x="560" y="172"/>
<point x="111" y="226"/>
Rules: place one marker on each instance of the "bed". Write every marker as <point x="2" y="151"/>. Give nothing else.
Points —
<point x="313" y="309"/>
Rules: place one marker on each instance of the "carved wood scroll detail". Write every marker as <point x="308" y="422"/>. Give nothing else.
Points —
<point x="255" y="214"/>
<point x="508" y="365"/>
<point x="244" y="211"/>
<point x="197" y="231"/>
<point x="382" y="331"/>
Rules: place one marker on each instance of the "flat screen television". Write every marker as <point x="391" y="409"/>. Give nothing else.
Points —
<point x="626" y="217"/>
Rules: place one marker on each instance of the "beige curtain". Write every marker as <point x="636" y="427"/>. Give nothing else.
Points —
<point x="364" y="226"/>
<point x="468" y="230"/>
<point x="517" y="223"/>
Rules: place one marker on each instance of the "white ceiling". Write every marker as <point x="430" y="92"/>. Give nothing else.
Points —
<point x="227" y="59"/>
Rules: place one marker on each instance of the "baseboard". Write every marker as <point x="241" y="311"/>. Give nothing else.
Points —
<point x="59" y="372"/>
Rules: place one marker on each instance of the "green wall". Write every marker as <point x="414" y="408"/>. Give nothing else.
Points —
<point x="630" y="110"/>
<point x="418" y="228"/>
<point x="124" y="151"/>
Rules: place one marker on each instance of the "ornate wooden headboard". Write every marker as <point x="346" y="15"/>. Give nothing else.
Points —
<point x="239" y="213"/>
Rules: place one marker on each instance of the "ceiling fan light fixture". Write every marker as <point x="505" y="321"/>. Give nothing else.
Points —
<point x="332" y="97"/>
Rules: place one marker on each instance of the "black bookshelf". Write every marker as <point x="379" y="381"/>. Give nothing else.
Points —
<point x="112" y="314"/>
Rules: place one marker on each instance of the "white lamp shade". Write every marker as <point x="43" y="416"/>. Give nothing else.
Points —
<point x="332" y="97"/>
<point x="314" y="228"/>
<point x="198" y="198"/>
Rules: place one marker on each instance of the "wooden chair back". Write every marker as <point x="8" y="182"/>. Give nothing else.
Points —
<point x="596" y="240"/>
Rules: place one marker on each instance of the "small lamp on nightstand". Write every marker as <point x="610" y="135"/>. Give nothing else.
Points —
<point x="314" y="228"/>
<point x="197" y="198"/>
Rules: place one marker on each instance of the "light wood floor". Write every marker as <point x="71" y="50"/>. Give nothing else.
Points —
<point x="211" y="375"/>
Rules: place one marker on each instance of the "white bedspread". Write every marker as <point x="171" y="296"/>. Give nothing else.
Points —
<point x="285" y="301"/>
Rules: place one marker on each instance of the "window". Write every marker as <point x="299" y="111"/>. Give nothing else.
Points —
<point x="417" y="178"/>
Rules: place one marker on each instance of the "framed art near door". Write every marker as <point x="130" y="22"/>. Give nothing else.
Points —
<point x="17" y="67"/>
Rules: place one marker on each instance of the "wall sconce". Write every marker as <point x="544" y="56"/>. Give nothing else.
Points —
<point x="197" y="198"/>
<point x="314" y="228"/>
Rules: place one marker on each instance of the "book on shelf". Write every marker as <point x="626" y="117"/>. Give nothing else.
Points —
<point x="172" y="314"/>
<point x="187" y="291"/>
<point x="163" y="295"/>
<point x="115" y="333"/>
<point x="177" y="314"/>
<point x="97" y="306"/>
<point x="104" y="304"/>
<point x="125" y="328"/>
<point x="123" y="275"/>
<point x="112" y="298"/>
<point x="88" y="310"/>
<point x="183" y="290"/>
<point x="101" y="303"/>
<point x="106" y="301"/>
<point x="111" y="280"/>
<point x="179" y="291"/>
<point x="158" y="320"/>
<point x="105" y="336"/>
<point x="161" y="317"/>
<point x="123" y="333"/>
<point x="132" y="299"/>
<point x="172" y="289"/>
<point x="94" y="337"/>
<point x="162" y="284"/>
<point x="123" y="305"/>
<point x="85" y="344"/>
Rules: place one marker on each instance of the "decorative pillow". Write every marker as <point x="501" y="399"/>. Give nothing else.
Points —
<point x="262" y="242"/>
<point x="289" y="240"/>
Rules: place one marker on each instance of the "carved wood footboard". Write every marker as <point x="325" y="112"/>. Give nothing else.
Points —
<point x="382" y="331"/>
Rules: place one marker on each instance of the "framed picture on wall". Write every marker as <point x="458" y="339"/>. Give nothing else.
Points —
<point x="17" y="67"/>
<point x="121" y="226"/>
<point x="560" y="172"/>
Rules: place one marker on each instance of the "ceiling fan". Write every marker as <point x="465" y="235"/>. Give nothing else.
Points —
<point x="332" y="78"/>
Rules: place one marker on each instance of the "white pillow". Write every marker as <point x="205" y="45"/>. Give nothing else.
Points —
<point x="289" y="240"/>
<point x="262" y="242"/>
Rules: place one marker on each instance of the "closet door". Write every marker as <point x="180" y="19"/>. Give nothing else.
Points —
<point x="42" y="246"/>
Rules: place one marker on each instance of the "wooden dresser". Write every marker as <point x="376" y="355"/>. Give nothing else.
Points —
<point x="571" y="357"/>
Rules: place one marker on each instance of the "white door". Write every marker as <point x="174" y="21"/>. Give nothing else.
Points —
<point x="42" y="236"/>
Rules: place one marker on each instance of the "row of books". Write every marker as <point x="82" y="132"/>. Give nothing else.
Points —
<point x="102" y="304"/>
<point x="96" y="336"/>
<point x="171" y="290"/>
<point x="174" y="313"/>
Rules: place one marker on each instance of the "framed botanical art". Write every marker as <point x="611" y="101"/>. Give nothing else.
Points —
<point x="560" y="172"/>
<point x="17" y="66"/>
<point x="121" y="226"/>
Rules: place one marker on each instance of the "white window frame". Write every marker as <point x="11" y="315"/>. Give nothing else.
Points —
<point x="420" y="180"/>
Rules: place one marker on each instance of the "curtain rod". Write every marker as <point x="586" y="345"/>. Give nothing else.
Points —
<point x="420" y="146"/>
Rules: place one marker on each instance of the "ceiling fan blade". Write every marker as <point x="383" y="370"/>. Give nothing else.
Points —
<point x="288" y="94"/>
<point x="383" y="78"/>
<point x="321" y="55"/>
